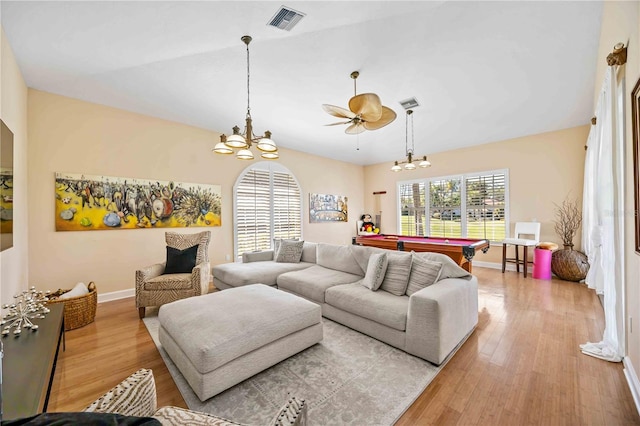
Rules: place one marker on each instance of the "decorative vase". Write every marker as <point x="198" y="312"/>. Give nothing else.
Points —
<point x="569" y="264"/>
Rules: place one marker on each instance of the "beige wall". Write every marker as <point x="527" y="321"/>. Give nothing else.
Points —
<point x="543" y="170"/>
<point x="13" y="111"/>
<point x="621" y="23"/>
<point x="68" y="135"/>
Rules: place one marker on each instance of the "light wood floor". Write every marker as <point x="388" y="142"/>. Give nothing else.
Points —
<point x="521" y="365"/>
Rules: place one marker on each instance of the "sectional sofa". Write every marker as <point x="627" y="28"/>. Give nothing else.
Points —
<point x="425" y="305"/>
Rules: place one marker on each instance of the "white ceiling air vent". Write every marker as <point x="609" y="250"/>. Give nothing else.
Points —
<point x="409" y="103"/>
<point x="286" y="18"/>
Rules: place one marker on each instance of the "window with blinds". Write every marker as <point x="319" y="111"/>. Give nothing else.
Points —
<point x="485" y="207"/>
<point x="267" y="205"/>
<point x="412" y="214"/>
<point x="466" y="206"/>
<point x="445" y="207"/>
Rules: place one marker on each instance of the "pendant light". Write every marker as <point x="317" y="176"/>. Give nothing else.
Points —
<point x="245" y="140"/>
<point x="409" y="152"/>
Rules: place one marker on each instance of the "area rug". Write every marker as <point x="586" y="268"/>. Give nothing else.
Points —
<point x="347" y="379"/>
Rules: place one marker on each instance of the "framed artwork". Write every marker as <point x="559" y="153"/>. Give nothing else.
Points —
<point x="85" y="203"/>
<point x="6" y="187"/>
<point x="635" y="112"/>
<point x="328" y="208"/>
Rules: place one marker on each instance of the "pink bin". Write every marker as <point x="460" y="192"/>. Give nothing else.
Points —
<point x="542" y="264"/>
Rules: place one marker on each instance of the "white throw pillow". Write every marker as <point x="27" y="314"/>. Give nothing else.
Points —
<point x="396" y="278"/>
<point x="375" y="271"/>
<point x="79" y="290"/>
<point x="289" y="251"/>
<point x="423" y="274"/>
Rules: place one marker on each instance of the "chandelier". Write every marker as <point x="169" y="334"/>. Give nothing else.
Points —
<point x="243" y="141"/>
<point x="408" y="163"/>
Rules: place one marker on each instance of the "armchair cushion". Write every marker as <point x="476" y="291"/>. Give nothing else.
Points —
<point x="180" y="261"/>
<point x="170" y="282"/>
<point x="136" y="396"/>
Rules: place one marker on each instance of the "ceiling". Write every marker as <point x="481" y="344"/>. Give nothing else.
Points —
<point x="481" y="71"/>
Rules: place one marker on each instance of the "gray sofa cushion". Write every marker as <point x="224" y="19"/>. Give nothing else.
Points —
<point x="309" y="252"/>
<point x="239" y="274"/>
<point x="375" y="271"/>
<point x="423" y="274"/>
<point x="396" y="278"/>
<point x="450" y="269"/>
<point x="312" y="282"/>
<point x="338" y="257"/>
<point x="362" y="253"/>
<point x="380" y="306"/>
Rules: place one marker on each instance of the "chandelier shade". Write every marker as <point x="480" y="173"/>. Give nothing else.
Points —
<point x="409" y="152"/>
<point x="245" y="140"/>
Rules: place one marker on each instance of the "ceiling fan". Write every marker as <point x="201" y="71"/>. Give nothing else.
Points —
<point x="365" y="112"/>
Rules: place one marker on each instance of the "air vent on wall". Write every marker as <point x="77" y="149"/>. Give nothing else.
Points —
<point x="286" y="18"/>
<point x="409" y="103"/>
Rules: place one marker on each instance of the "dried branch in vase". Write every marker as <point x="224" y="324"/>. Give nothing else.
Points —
<point x="568" y="220"/>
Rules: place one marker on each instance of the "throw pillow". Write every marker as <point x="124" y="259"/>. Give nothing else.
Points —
<point x="375" y="271"/>
<point x="79" y="290"/>
<point x="180" y="261"/>
<point x="396" y="278"/>
<point x="183" y="241"/>
<point x="423" y="273"/>
<point x="289" y="251"/>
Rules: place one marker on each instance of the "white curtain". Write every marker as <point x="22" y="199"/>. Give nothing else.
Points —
<point x="603" y="219"/>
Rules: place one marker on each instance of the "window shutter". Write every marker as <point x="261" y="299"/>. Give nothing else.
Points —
<point x="486" y="206"/>
<point x="445" y="208"/>
<point x="412" y="217"/>
<point x="253" y="211"/>
<point x="286" y="207"/>
<point x="268" y="205"/>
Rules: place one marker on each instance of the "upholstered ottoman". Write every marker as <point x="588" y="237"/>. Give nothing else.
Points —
<point x="220" y="339"/>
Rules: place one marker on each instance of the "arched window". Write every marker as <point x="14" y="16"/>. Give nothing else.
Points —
<point x="267" y="204"/>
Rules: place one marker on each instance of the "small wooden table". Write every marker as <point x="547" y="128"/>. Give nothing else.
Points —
<point x="29" y="364"/>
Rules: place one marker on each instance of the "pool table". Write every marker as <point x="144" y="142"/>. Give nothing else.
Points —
<point x="461" y="250"/>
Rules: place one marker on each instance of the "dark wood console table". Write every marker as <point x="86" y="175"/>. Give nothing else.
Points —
<point x="29" y="364"/>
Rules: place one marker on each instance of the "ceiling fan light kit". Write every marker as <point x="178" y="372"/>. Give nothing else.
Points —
<point x="409" y="163"/>
<point x="244" y="141"/>
<point x="365" y="112"/>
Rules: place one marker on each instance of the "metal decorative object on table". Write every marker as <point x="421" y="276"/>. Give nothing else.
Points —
<point x="30" y="304"/>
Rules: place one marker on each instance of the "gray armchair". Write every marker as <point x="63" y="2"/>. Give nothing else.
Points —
<point x="155" y="289"/>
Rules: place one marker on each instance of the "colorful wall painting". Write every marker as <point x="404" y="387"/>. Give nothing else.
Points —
<point x="6" y="187"/>
<point x="85" y="202"/>
<point x="328" y="208"/>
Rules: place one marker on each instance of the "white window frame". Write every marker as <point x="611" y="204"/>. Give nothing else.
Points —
<point x="271" y="167"/>
<point x="463" y="198"/>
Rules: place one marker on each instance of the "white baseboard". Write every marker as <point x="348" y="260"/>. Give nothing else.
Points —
<point x="632" y="380"/>
<point x="115" y="295"/>
<point x="492" y="265"/>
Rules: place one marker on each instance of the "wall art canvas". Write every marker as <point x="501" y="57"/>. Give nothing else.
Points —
<point x="328" y="208"/>
<point x="6" y="187"/>
<point x="85" y="202"/>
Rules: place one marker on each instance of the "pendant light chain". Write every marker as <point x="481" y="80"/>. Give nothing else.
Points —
<point x="248" y="91"/>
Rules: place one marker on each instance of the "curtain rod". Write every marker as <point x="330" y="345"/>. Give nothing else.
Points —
<point x="618" y="56"/>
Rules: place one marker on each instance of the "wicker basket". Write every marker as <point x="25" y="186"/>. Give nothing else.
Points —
<point x="80" y="310"/>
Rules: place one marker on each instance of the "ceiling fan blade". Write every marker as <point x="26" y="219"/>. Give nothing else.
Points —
<point x="337" y="111"/>
<point x="338" y="123"/>
<point x="354" y="129"/>
<point x="367" y="106"/>
<point x="388" y="115"/>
